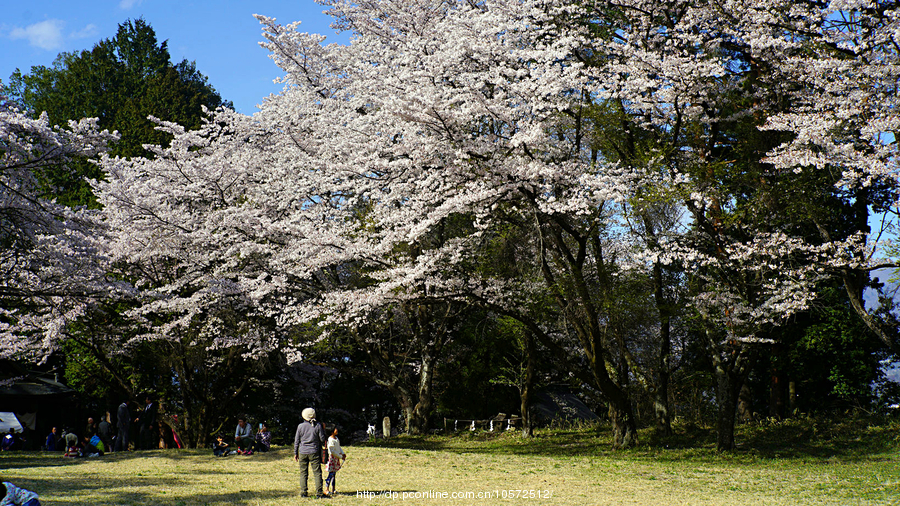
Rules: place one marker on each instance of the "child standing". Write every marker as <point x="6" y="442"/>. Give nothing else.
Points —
<point x="11" y="495"/>
<point x="335" y="456"/>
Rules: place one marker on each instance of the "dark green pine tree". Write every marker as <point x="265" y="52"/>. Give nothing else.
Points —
<point x="122" y="81"/>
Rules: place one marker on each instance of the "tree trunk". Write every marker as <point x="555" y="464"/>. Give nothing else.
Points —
<point x="622" y="411"/>
<point x="621" y="414"/>
<point x="525" y="392"/>
<point x="776" y="395"/>
<point x="730" y="363"/>
<point x="420" y="417"/>
<point x="623" y="426"/>
<point x="189" y="436"/>
<point x="661" y="394"/>
<point x="661" y="412"/>
<point x="792" y="397"/>
<point x="745" y="404"/>
<point x="416" y="408"/>
<point x="413" y="395"/>
<point x="408" y="409"/>
<point x="726" y="397"/>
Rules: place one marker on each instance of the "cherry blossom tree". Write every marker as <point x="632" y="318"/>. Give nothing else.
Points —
<point x="440" y="110"/>
<point x="699" y="78"/>
<point x="844" y="122"/>
<point x="184" y="233"/>
<point x="52" y="270"/>
<point x="382" y="173"/>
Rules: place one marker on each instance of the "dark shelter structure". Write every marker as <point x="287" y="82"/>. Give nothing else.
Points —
<point x="39" y="401"/>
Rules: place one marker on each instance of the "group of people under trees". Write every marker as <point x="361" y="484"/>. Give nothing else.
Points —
<point x="313" y="447"/>
<point x="101" y="437"/>
<point x="245" y="443"/>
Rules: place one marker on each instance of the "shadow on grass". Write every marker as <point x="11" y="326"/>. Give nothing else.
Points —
<point x="28" y="459"/>
<point x="277" y="453"/>
<point x="78" y="487"/>
<point x="555" y="443"/>
<point x="848" y="439"/>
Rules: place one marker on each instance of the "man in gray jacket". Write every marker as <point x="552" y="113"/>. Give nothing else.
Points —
<point x="123" y="423"/>
<point x="308" y="450"/>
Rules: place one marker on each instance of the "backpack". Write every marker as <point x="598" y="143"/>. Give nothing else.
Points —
<point x="98" y="443"/>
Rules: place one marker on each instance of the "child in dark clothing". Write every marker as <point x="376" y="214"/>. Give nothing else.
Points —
<point x="51" y="441"/>
<point x="220" y="447"/>
<point x="9" y="441"/>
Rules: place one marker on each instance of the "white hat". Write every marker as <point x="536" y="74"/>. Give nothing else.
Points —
<point x="309" y="414"/>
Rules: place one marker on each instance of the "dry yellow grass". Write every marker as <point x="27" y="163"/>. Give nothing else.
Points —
<point x="467" y="474"/>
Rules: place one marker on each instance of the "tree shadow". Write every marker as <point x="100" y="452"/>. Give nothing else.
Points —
<point x="194" y="453"/>
<point x="83" y="484"/>
<point x="556" y="444"/>
<point x="139" y="490"/>
<point x="849" y="440"/>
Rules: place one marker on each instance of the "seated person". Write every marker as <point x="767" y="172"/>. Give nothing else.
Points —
<point x="89" y="449"/>
<point x="220" y="447"/>
<point x="71" y="441"/>
<point x="16" y="496"/>
<point x="263" y="439"/>
<point x="98" y="443"/>
<point x="243" y="436"/>
<point x="9" y="441"/>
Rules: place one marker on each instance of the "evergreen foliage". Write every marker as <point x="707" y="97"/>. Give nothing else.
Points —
<point x="122" y="81"/>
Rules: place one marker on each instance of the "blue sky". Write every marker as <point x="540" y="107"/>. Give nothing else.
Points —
<point x="221" y="36"/>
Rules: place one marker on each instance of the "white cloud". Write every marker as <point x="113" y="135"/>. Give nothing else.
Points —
<point x="89" y="31"/>
<point x="45" y="35"/>
<point x="127" y="4"/>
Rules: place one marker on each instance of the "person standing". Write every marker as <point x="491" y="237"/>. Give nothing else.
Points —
<point x="123" y="425"/>
<point x="105" y="432"/>
<point x="336" y="456"/>
<point x="308" y="451"/>
<point x="51" y="442"/>
<point x="149" y="439"/>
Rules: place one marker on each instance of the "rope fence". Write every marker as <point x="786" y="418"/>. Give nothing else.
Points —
<point x="491" y="425"/>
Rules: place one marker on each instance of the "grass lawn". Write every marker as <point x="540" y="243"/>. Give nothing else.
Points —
<point x="557" y="467"/>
